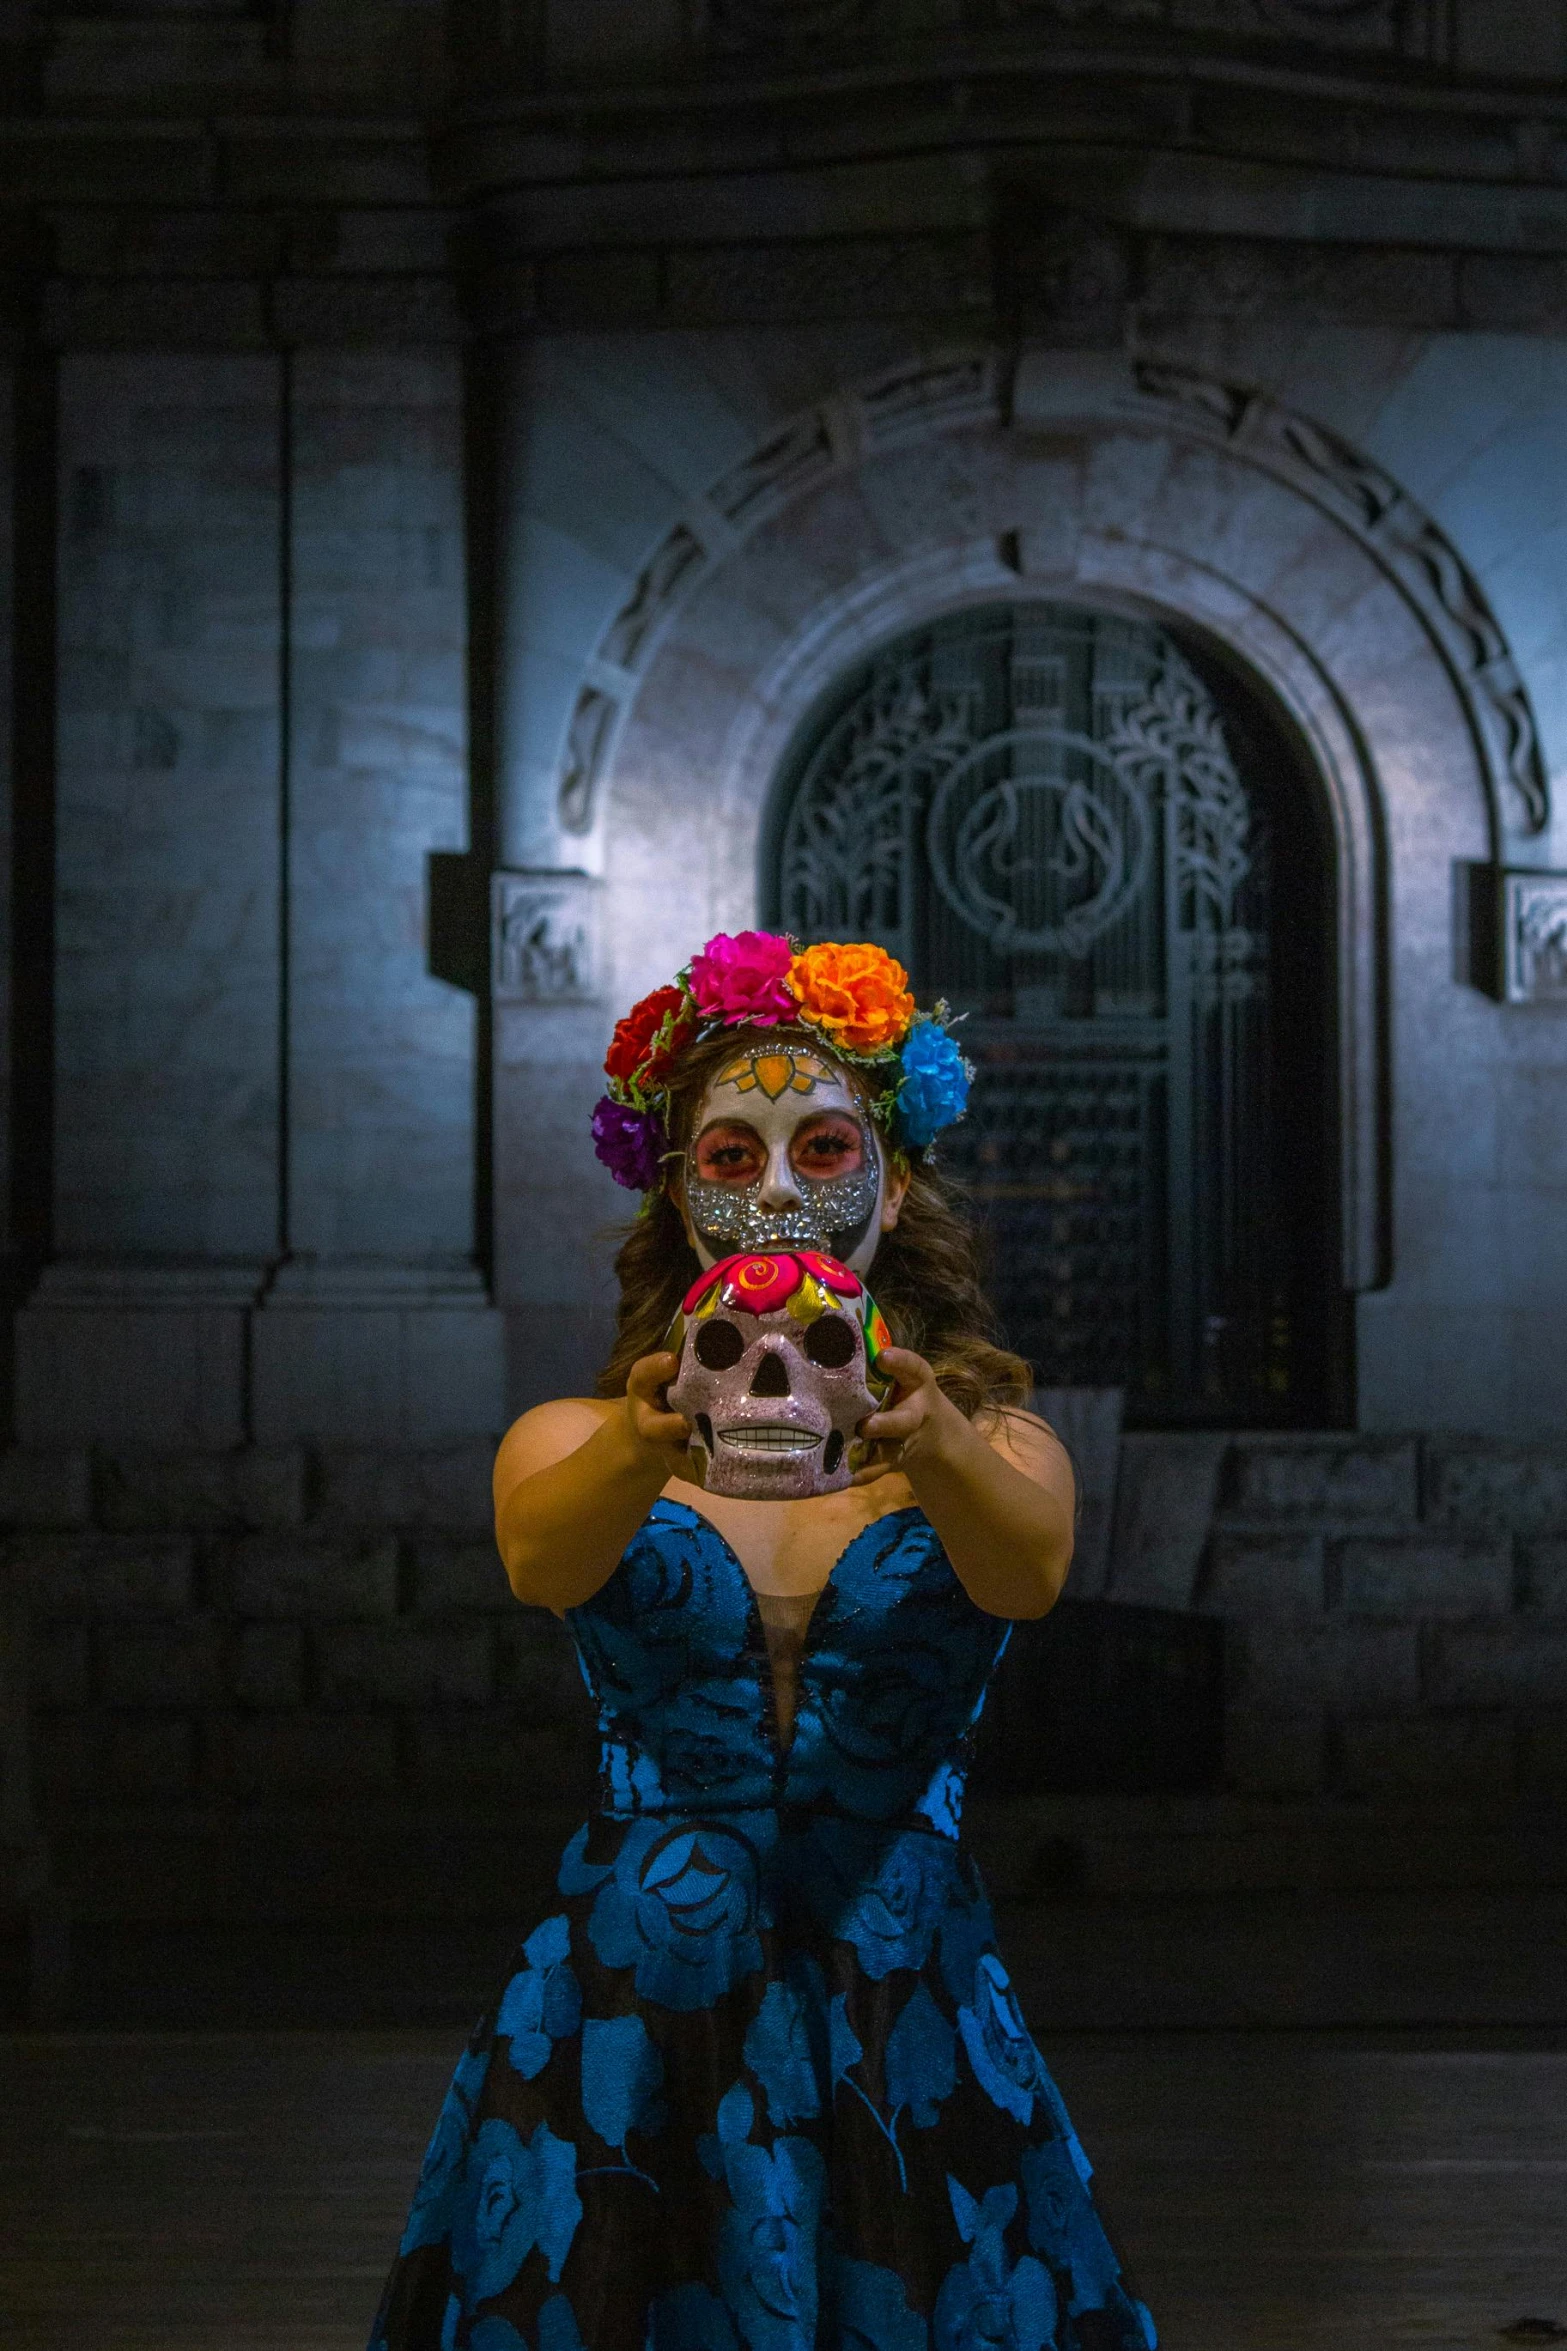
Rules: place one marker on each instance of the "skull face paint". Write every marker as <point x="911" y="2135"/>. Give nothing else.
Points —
<point x="778" y="1367"/>
<point x="784" y="1155"/>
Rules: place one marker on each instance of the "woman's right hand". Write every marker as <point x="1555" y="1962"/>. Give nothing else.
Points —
<point x="653" y="1427"/>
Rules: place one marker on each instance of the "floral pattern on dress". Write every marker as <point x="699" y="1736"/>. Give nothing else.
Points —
<point x="761" y="2082"/>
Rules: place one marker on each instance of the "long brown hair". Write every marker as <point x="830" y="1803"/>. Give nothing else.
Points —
<point x="926" y="1277"/>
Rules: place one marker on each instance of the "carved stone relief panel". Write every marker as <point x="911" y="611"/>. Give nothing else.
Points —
<point x="546" y="933"/>
<point x="1534" y="938"/>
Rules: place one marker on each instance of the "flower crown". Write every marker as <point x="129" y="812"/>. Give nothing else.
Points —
<point x="855" y="998"/>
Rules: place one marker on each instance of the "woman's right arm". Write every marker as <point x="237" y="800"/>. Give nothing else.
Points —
<point x="575" y="1479"/>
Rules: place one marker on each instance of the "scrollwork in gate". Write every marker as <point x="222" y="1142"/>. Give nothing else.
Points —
<point x="844" y="850"/>
<point x="1040" y="838"/>
<point x="1174" y="732"/>
<point x="1060" y="816"/>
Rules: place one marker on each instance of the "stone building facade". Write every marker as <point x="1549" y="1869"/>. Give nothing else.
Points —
<point x="454" y="463"/>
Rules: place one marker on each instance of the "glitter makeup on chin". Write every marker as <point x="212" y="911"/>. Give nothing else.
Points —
<point x="831" y="1216"/>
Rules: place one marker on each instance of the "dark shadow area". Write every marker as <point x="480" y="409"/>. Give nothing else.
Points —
<point x="1104" y="1697"/>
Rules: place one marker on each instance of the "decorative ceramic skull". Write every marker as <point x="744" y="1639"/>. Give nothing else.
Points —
<point x="778" y="1360"/>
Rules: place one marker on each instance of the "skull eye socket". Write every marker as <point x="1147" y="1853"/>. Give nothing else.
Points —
<point x="719" y="1346"/>
<point x="830" y="1342"/>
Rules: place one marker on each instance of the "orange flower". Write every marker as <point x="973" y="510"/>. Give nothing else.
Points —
<point x="858" y="996"/>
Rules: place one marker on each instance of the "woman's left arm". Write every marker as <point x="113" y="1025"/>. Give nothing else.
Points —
<point x="1002" y="1499"/>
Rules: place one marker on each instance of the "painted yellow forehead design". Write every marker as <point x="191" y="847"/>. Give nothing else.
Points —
<point x="774" y="1070"/>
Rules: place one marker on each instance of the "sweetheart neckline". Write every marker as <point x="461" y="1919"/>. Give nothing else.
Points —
<point x="904" y="1510"/>
<point x="783" y="1740"/>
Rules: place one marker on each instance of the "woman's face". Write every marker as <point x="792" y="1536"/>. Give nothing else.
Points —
<point x="785" y="1154"/>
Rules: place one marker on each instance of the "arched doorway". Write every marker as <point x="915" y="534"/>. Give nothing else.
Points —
<point x="1103" y="850"/>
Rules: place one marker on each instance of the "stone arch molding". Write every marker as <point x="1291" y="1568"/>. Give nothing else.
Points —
<point x="1149" y="489"/>
<point x="963" y="391"/>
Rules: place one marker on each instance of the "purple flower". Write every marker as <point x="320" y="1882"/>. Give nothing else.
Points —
<point x="631" y="1144"/>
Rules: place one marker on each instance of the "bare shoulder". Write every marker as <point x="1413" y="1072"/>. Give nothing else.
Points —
<point x="546" y="1435"/>
<point x="1032" y="1446"/>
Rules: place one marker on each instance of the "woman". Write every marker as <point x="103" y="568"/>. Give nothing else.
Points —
<point x="762" y="2084"/>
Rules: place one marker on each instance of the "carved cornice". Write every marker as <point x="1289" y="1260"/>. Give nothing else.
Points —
<point x="964" y="390"/>
<point x="1044" y="79"/>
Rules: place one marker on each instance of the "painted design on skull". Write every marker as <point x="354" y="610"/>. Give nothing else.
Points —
<point x="778" y="1368"/>
<point x="776" y="1069"/>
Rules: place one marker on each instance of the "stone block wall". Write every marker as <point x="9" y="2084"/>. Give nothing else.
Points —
<point x="1397" y="1613"/>
<point x="217" y="1636"/>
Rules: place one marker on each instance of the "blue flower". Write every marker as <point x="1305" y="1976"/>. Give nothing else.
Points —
<point x="872" y="1744"/>
<point x="920" y="2060"/>
<point x="512" y="2198"/>
<point x="622" y="2075"/>
<point x="988" y="2303"/>
<point x="886" y="1719"/>
<point x="767" y="2244"/>
<point x="933" y="1092"/>
<point x="708" y="1735"/>
<point x="882" y="1891"/>
<point x="843" y="2044"/>
<point x="558" y="2330"/>
<point x="872" y="2312"/>
<point x="942" y="1802"/>
<point x="577" y="1874"/>
<point x="1006" y="2064"/>
<point x="681" y="1906"/>
<point x="497" y="2334"/>
<point x="543" y="2001"/>
<point x="691" y="2318"/>
<point x="1065" y="2228"/>
<point x="778" y="2051"/>
<point x="430" y="2215"/>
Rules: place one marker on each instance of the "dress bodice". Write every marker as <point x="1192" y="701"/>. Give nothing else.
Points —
<point x="891" y="1678"/>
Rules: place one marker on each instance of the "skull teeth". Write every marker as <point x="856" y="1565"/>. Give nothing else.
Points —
<point x="769" y="1436"/>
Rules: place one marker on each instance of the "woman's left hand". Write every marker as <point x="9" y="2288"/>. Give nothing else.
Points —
<point x="909" y="1422"/>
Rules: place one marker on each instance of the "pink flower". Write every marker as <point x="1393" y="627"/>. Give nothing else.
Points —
<point x="742" y="979"/>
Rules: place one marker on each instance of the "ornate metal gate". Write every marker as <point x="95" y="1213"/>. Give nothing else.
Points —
<point x="1038" y="810"/>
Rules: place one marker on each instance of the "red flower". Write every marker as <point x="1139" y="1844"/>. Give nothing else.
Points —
<point x="632" y="1054"/>
<point x="830" y="1273"/>
<point x="760" y="1285"/>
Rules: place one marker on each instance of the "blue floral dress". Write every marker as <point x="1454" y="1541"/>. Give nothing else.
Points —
<point x="761" y="2083"/>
